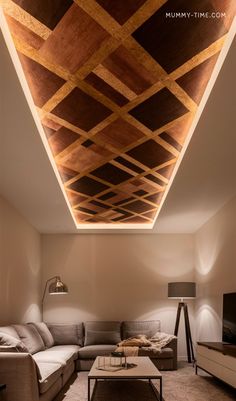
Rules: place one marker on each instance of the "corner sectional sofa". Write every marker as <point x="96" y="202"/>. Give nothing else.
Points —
<point x="37" y="359"/>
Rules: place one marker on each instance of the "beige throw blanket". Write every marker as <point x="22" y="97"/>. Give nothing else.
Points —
<point x="131" y="346"/>
<point x="128" y="351"/>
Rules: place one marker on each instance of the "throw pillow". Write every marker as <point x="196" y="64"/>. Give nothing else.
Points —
<point x="44" y="332"/>
<point x="101" y="337"/>
<point x="11" y="344"/>
<point x="30" y="337"/>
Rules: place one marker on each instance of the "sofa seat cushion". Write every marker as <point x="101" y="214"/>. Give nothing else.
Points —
<point x="49" y="372"/>
<point x="68" y="348"/>
<point x="164" y="353"/>
<point x="92" y="351"/>
<point x="63" y="354"/>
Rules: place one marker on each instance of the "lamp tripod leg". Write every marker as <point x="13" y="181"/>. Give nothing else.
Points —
<point x="177" y="319"/>
<point x="189" y="342"/>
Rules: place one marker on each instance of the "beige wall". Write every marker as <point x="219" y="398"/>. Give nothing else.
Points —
<point x="20" y="276"/>
<point x="215" y="260"/>
<point x="116" y="276"/>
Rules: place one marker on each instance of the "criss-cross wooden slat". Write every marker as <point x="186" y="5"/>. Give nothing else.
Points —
<point x="122" y="96"/>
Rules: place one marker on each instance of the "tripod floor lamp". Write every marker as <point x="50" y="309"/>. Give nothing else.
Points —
<point x="183" y="290"/>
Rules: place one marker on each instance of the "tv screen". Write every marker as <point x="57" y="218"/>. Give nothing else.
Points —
<point x="229" y="318"/>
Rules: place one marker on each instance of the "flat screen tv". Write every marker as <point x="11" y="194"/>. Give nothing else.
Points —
<point x="229" y="318"/>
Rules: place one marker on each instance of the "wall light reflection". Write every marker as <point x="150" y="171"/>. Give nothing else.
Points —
<point x="209" y="327"/>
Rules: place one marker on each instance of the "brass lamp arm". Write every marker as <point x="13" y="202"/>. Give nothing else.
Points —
<point x="46" y="284"/>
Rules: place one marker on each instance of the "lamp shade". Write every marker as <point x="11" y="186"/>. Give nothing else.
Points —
<point x="58" y="287"/>
<point x="182" y="290"/>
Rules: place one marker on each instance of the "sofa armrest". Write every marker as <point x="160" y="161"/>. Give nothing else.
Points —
<point x="173" y="345"/>
<point x="18" y="372"/>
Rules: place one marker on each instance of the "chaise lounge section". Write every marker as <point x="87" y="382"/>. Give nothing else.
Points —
<point x="38" y="359"/>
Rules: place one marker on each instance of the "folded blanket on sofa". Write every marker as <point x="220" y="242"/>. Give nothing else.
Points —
<point x="128" y="351"/>
<point x="159" y="341"/>
<point x="131" y="345"/>
<point x="136" y="341"/>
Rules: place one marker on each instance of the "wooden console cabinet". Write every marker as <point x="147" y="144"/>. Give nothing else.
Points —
<point x="217" y="359"/>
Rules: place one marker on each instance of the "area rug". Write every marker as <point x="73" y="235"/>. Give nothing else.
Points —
<point x="180" y="385"/>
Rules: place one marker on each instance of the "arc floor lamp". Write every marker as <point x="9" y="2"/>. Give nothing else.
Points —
<point x="57" y="287"/>
<point x="183" y="290"/>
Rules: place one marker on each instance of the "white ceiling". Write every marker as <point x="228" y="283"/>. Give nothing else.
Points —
<point x="205" y="181"/>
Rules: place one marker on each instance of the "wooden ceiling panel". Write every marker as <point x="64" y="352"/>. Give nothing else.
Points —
<point x="194" y="82"/>
<point x="42" y="82"/>
<point x="88" y="186"/>
<point x="155" y="198"/>
<point x="228" y="7"/>
<point x="128" y="164"/>
<point x="128" y="70"/>
<point x="119" y="134"/>
<point x="83" y="157"/>
<point x="121" y="11"/>
<point x="111" y="174"/>
<point x="166" y="171"/>
<point x="24" y="34"/>
<point x="179" y="39"/>
<point x="116" y="85"/>
<point x="50" y="124"/>
<point x="75" y="198"/>
<point x="136" y="219"/>
<point x="61" y="139"/>
<point x="81" y="110"/>
<point x="150" y="154"/>
<point x="106" y="89"/>
<point x="138" y="206"/>
<point x="168" y="138"/>
<point x="49" y="12"/>
<point x="159" y="109"/>
<point x="66" y="173"/>
<point x="76" y="30"/>
<point x="179" y="129"/>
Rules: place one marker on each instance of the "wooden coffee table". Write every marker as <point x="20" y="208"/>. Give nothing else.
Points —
<point x="144" y="369"/>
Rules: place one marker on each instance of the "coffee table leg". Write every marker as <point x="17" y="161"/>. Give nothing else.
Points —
<point x="88" y="389"/>
<point x="160" y="388"/>
<point x="157" y="395"/>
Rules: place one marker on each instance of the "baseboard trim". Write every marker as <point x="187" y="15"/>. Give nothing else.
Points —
<point x="182" y="358"/>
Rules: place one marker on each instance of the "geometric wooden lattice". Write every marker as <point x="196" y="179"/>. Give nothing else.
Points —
<point x="116" y="85"/>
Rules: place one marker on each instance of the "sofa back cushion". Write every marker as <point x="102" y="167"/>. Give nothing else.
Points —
<point x="102" y="333"/>
<point x="45" y="333"/>
<point x="134" y="328"/>
<point x="30" y="337"/>
<point x="11" y="344"/>
<point x="102" y="337"/>
<point x="64" y="334"/>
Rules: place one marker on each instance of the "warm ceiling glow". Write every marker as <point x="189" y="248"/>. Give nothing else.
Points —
<point x="115" y="113"/>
